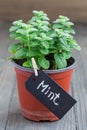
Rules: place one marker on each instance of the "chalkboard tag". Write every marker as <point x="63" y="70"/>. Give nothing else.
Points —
<point x="49" y="93"/>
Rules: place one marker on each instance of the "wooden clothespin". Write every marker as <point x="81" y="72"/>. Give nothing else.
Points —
<point x="34" y="66"/>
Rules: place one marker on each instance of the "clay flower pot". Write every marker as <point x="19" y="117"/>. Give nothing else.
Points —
<point x="31" y="108"/>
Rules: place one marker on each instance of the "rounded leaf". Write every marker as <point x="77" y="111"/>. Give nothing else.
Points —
<point x="13" y="48"/>
<point x="44" y="63"/>
<point x="21" y="53"/>
<point x="60" y="61"/>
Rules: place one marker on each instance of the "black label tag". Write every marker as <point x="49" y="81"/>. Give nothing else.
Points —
<point x="49" y="94"/>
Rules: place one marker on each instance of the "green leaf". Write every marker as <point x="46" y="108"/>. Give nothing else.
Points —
<point x="13" y="35"/>
<point x="44" y="51"/>
<point x="45" y="23"/>
<point x="45" y="44"/>
<point x="13" y="48"/>
<point x="56" y="26"/>
<point x="66" y="54"/>
<point x="34" y="44"/>
<point x="28" y="64"/>
<point x="21" y="53"/>
<point x="17" y="22"/>
<point x="69" y="24"/>
<point x="69" y="30"/>
<point x="13" y="28"/>
<point x="59" y="21"/>
<point x="77" y="47"/>
<point x="32" y="36"/>
<point x="45" y="28"/>
<point x="44" y="63"/>
<point x="45" y="18"/>
<point x="38" y="38"/>
<point x="64" y="45"/>
<point x="64" y="18"/>
<point x="22" y="39"/>
<point x="74" y="45"/>
<point x="32" y="53"/>
<point x="33" y="30"/>
<point x="60" y="61"/>
<point x="22" y="32"/>
<point x="45" y="37"/>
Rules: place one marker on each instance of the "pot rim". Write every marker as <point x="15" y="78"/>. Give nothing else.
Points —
<point x="46" y="71"/>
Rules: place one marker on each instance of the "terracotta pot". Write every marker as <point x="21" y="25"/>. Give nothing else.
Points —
<point x="31" y="108"/>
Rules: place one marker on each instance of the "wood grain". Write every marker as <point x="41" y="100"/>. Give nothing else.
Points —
<point x="79" y="85"/>
<point x="14" y="9"/>
<point x="6" y="90"/>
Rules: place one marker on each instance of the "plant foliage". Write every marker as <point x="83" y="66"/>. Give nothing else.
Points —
<point x="39" y="38"/>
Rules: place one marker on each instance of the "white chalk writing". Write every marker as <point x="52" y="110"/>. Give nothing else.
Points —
<point x="46" y="90"/>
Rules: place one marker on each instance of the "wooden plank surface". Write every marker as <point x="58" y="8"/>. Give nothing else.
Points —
<point x="6" y="90"/>
<point x="79" y="86"/>
<point x="10" y="114"/>
<point x="14" y="9"/>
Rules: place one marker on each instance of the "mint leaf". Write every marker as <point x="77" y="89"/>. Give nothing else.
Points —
<point x="44" y="63"/>
<point x="60" y="61"/>
<point x="20" y="54"/>
<point x="14" y="47"/>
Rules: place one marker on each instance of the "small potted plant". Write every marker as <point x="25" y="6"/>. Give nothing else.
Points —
<point x="51" y="46"/>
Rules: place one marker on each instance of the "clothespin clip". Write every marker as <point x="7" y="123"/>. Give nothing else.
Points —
<point x="34" y="66"/>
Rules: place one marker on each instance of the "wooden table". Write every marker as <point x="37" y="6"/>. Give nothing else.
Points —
<point x="10" y="114"/>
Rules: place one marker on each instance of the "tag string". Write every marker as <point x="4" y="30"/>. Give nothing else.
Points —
<point x="34" y="66"/>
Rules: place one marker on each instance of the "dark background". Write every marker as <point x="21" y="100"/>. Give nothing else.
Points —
<point x="22" y="9"/>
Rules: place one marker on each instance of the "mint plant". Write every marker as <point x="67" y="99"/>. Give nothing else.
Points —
<point x="50" y="44"/>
